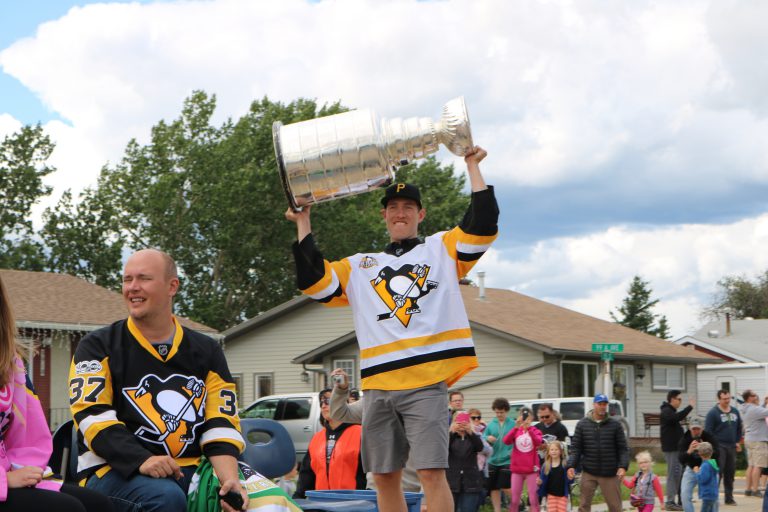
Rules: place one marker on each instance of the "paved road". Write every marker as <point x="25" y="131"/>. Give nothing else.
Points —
<point x="743" y="503"/>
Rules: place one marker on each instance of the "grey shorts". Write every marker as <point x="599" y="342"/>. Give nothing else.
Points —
<point x="398" y="425"/>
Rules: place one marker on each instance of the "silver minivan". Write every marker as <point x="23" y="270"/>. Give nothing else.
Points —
<point x="299" y="413"/>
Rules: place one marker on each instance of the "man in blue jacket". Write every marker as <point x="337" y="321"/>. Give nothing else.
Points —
<point x="724" y="423"/>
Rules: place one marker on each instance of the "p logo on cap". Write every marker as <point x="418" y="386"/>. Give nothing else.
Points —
<point x="401" y="190"/>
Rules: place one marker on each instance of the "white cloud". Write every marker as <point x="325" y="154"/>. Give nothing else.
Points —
<point x="591" y="273"/>
<point x="8" y="125"/>
<point x="557" y="91"/>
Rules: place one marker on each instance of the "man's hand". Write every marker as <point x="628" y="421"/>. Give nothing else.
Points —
<point x="621" y="472"/>
<point x="301" y="219"/>
<point x="475" y="155"/>
<point x="345" y="379"/>
<point x="692" y="447"/>
<point x="295" y="216"/>
<point x="738" y="447"/>
<point x="692" y="403"/>
<point x="232" y="484"/>
<point x="571" y="473"/>
<point x="28" y="476"/>
<point x="491" y="439"/>
<point x="160" y="466"/>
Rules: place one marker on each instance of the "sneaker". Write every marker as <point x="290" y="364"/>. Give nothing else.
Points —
<point x="673" y="506"/>
<point x="748" y="493"/>
<point x="757" y="494"/>
<point x="731" y="502"/>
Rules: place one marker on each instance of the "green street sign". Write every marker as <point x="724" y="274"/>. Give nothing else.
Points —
<point x="607" y="347"/>
<point x="606" y="356"/>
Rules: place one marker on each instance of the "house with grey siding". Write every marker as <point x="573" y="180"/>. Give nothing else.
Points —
<point x="741" y="346"/>
<point x="527" y="349"/>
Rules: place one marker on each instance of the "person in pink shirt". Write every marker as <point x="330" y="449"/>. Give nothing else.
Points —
<point x="25" y="440"/>
<point x="524" y="461"/>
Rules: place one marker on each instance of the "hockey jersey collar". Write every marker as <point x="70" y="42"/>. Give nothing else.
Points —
<point x="144" y="342"/>
<point x="402" y="247"/>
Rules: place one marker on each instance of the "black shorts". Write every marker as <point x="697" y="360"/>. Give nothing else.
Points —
<point x="499" y="477"/>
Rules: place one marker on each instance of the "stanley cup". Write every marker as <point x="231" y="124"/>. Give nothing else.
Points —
<point x="354" y="152"/>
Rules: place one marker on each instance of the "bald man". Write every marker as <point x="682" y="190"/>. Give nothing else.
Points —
<point x="150" y="397"/>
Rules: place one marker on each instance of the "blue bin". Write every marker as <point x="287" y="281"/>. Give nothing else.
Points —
<point x="412" y="499"/>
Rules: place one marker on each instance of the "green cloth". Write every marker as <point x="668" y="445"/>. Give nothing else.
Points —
<point x="501" y="451"/>
<point x="713" y="463"/>
<point x="263" y="494"/>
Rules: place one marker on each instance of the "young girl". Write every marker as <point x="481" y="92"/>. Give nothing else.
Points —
<point x="25" y="440"/>
<point x="524" y="462"/>
<point x="553" y="480"/>
<point x="645" y="483"/>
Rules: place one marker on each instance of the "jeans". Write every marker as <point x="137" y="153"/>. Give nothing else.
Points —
<point x="726" y="459"/>
<point x="674" y="475"/>
<point x="686" y="491"/>
<point x="466" y="501"/>
<point x="142" y="493"/>
<point x="708" y="505"/>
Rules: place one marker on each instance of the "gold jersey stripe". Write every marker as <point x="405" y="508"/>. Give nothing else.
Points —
<point x="420" y="341"/>
<point x="425" y="374"/>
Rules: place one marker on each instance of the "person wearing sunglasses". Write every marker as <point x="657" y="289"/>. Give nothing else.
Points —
<point x="550" y="426"/>
<point x="333" y="458"/>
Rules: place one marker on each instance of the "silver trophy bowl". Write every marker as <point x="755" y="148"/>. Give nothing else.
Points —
<point x="346" y="154"/>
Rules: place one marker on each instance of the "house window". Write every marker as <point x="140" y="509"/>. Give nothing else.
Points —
<point x="578" y="378"/>
<point x="668" y="376"/>
<point x="348" y="365"/>
<point x="263" y="384"/>
<point x="238" y="379"/>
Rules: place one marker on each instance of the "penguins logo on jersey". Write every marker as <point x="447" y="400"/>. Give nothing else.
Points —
<point x="172" y="409"/>
<point x="401" y="290"/>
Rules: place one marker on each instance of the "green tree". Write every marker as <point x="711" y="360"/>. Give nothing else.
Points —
<point x="211" y="197"/>
<point x="636" y="310"/>
<point x="741" y="297"/>
<point x="84" y="239"/>
<point x="23" y="165"/>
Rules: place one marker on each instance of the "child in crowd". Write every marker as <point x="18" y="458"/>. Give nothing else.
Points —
<point x="707" y="475"/>
<point x="524" y="462"/>
<point x="553" y="481"/>
<point x="288" y="481"/>
<point x="646" y="485"/>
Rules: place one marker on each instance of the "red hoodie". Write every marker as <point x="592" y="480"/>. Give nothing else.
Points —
<point x="525" y="456"/>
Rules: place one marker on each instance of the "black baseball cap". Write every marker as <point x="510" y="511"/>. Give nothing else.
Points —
<point x="404" y="190"/>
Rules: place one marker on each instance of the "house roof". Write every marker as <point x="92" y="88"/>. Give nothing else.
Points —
<point x="523" y="319"/>
<point x="746" y="341"/>
<point x="47" y="300"/>
<point x="564" y="330"/>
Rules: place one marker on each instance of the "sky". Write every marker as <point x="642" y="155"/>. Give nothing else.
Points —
<point x="624" y="138"/>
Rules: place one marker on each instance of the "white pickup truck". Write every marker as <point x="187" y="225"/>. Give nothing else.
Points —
<point x="571" y="409"/>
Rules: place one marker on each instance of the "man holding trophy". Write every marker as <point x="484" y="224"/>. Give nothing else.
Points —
<point x="411" y="326"/>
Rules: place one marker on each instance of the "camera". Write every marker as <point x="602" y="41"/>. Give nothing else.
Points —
<point x="338" y="379"/>
<point x="525" y="414"/>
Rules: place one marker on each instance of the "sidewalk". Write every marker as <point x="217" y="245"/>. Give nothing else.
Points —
<point x="743" y="503"/>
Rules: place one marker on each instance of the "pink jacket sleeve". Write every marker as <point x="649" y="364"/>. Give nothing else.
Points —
<point x="629" y="482"/>
<point x="536" y="436"/>
<point x="509" y="438"/>
<point x="659" y="490"/>
<point x="28" y="440"/>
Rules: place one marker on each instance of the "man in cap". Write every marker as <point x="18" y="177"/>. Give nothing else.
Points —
<point x="599" y="448"/>
<point x="411" y="326"/>
<point x="690" y="459"/>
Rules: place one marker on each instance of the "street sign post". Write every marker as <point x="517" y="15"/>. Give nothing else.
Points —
<point x="607" y="347"/>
